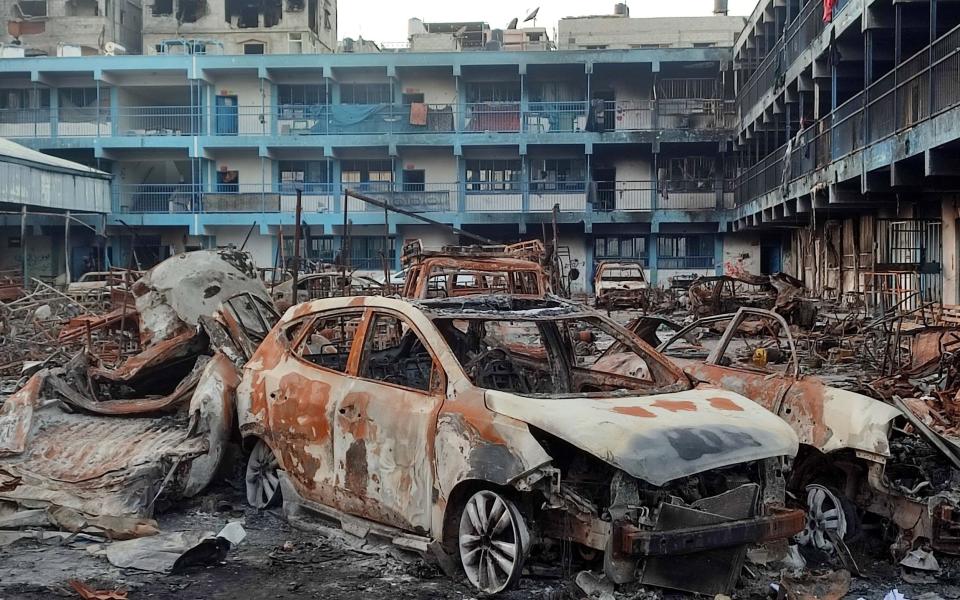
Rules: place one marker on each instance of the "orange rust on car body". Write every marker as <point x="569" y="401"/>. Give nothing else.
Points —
<point x="153" y="356"/>
<point x="722" y="403"/>
<point x="20" y="406"/>
<point x="634" y="411"/>
<point x="675" y="405"/>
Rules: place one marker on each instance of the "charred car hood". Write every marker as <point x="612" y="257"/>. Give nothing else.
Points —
<point x="657" y="438"/>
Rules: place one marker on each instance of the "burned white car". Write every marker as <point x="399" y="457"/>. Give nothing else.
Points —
<point x="471" y="428"/>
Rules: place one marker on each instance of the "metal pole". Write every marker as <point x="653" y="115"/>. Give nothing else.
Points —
<point x="296" y="245"/>
<point x="23" y="245"/>
<point x="345" y="244"/>
<point x="66" y="246"/>
<point x="246" y="239"/>
<point x="413" y="215"/>
<point x="386" y="247"/>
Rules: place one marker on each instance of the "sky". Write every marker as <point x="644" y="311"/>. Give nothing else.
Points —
<point x="386" y="20"/>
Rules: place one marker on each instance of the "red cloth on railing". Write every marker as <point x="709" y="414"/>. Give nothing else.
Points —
<point x="418" y="113"/>
<point x="828" y="10"/>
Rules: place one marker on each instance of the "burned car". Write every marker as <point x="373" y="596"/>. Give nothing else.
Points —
<point x="620" y="284"/>
<point x="779" y="292"/>
<point x="847" y="461"/>
<point x="455" y="271"/>
<point x="472" y="428"/>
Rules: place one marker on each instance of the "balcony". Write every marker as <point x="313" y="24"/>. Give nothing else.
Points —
<point x="796" y="38"/>
<point x="539" y="118"/>
<point x="468" y="197"/>
<point x="922" y="87"/>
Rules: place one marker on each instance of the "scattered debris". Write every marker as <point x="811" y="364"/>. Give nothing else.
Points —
<point x="88" y="593"/>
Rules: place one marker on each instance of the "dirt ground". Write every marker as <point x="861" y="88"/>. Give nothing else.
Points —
<point x="279" y="561"/>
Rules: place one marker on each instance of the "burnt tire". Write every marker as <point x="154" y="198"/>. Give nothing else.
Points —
<point x="262" y="477"/>
<point x="493" y="542"/>
<point x="828" y="510"/>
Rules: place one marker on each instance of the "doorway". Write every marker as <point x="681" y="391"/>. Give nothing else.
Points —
<point x="414" y="180"/>
<point x="770" y="257"/>
<point x="606" y="182"/>
<point x="227" y="115"/>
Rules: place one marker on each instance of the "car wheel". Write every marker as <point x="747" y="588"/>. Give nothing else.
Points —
<point x="827" y="511"/>
<point x="493" y="542"/>
<point x="262" y="477"/>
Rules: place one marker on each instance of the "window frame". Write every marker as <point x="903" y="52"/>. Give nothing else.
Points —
<point x="295" y="344"/>
<point x="435" y="390"/>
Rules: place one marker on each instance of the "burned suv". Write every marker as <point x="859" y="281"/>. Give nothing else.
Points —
<point x="481" y="428"/>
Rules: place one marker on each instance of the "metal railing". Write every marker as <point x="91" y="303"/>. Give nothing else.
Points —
<point x="919" y="88"/>
<point x="685" y="262"/>
<point x="797" y="37"/>
<point x="352" y="119"/>
<point x="464" y="196"/>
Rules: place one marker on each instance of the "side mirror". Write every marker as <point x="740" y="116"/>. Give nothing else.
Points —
<point x="574" y="274"/>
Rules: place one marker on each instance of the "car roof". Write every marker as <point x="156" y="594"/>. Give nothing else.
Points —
<point x="494" y="306"/>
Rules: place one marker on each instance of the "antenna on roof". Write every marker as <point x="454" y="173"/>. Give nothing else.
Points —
<point x="532" y="16"/>
<point x="512" y="24"/>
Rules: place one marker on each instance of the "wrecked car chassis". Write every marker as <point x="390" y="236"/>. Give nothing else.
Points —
<point x="844" y="436"/>
<point x="458" y="425"/>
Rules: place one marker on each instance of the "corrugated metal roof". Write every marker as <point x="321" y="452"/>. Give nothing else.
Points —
<point x="13" y="152"/>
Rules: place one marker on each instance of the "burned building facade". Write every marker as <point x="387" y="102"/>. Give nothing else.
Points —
<point x="239" y="26"/>
<point x="818" y="144"/>
<point x="70" y="27"/>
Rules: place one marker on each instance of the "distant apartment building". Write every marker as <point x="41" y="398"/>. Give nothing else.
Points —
<point x="239" y="27"/>
<point x="620" y="31"/>
<point x="70" y="27"/>
<point x="474" y="35"/>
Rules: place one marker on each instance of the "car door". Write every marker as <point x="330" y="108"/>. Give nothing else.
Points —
<point x="305" y="387"/>
<point x="765" y="384"/>
<point x="385" y="424"/>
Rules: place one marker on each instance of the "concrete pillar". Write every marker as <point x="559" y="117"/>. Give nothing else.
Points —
<point x="587" y="272"/>
<point x="652" y="257"/>
<point x="951" y="244"/>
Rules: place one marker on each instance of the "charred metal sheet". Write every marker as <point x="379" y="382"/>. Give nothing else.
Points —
<point x="174" y="294"/>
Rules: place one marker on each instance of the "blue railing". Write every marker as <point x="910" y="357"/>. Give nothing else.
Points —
<point x="369" y="119"/>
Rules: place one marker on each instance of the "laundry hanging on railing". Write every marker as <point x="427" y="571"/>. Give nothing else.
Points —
<point x="349" y="114"/>
<point x="418" y="113"/>
<point x="828" y="6"/>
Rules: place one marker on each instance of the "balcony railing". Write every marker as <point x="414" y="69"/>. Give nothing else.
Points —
<point x="923" y="86"/>
<point x="309" y="120"/>
<point x="797" y="37"/>
<point x="465" y="196"/>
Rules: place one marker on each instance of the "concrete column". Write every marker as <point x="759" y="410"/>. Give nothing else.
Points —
<point x="587" y="272"/>
<point x="54" y="110"/>
<point x="951" y="246"/>
<point x="337" y="187"/>
<point x="718" y="253"/>
<point x="652" y="256"/>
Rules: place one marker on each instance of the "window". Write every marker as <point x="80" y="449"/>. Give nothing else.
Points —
<point x="412" y="98"/>
<point x="683" y="251"/>
<point x="25" y="98"/>
<point x="632" y="247"/>
<point x="253" y="48"/>
<point x="558" y="174"/>
<point x="484" y="175"/>
<point x="327" y="24"/>
<point x="691" y="174"/>
<point x="160" y="48"/>
<point x="493" y="91"/>
<point x="370" y="172"/>
<point x="33" y="8"/>
<point x="367" y="252"/>
<point x="366" y="93"/>
<point x="393" y="353"/>
<point x="309" y="94"/>
<point x="328" y="340"/>
<point x="295" y="43"/>
<point x="162" y="8"/>
<point x="314" y="175"/>
<point x="669" y="89"/>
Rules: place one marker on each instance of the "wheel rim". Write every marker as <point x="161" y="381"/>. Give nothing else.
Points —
<point x="263" y="479"/>
<point x="824" y="515"/>
<point x="492" y="542"/>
